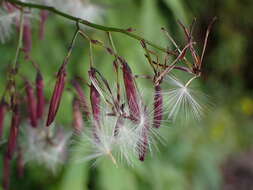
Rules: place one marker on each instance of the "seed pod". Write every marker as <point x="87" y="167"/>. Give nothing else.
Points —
<point x="143" y="143"/>
<point x="43" y="19"/>
<point x="95" y="104"/>
<point x="94" y="98"/>
<point x="12" y="141"/>
<point x="31" y="101"/>
<point x="6" y="172"/>
<point x="3" y="107"/>
<point x="10" y="8"/>
<point x="131" y="91"/>
<point x="82" y="98"/>
<point x="20" y="163"/>
<point x="78" y="123"/>
<point x="158" y="106"/>
<point x="57" y="94"/>
<point x="40" y="95"/>
<point x="27" y="37"/>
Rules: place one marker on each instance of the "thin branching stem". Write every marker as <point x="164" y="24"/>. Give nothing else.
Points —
<point x="71" y="46"/>
<point x="20" y="41"/>
<point x="87" y="23"/>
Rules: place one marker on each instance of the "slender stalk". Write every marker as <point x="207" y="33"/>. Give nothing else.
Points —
<point x="71" y="46"/>
<point x="91" y="55"/>
<point x="87" y="23"/>
<point x="20" y="42"/>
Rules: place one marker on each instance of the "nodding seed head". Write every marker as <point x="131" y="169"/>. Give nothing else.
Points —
<point x="57" y="94"/>
<point x="31" y="101"/>
<point x="158" y="107"/>
<point x="40" y="95"/>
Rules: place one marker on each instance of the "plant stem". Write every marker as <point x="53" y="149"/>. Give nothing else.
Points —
<point x="87" y="23"/>
<point x="20" y="41"/>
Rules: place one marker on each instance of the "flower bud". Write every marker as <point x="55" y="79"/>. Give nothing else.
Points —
<point x="40" y="95"/>
<point x="158" y="107"/>
<point x="31" y="101"/>
<point x="57" y="94"/>
<point x="14" y="129"/>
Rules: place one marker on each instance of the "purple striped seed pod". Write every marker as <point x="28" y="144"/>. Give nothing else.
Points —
<point x="6" y="172"/>
<point x="20" y="163"/>
<point x="94" y="98"/>
<point x="31" y="101"/>
<point x="78" y="122"/>
<point x="27" y="37"/>
<point x="143" y="143"/>
<point x="82" y="98"/>
<point x="158" y="106"/>
<point x="131" y="91"/>
<point x="43" y="19"/>
<point x="40" y="95"/>
<point x="57" y="94"/>
<point x="3" y="108"/>
<point x="12" y="140"/>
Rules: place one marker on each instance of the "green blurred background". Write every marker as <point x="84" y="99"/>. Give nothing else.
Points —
<point x="194" y="154"/>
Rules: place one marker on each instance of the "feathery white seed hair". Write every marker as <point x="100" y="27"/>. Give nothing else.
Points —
<point x="7" y="20"/>
<point x="37" y="148"/>
<point x="77" y="8"/>
<point x="93" y="145"/>
<point x="181" y="99"/>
